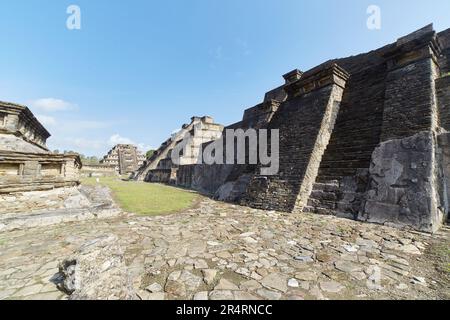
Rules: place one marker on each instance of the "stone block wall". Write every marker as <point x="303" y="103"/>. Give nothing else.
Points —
<point x="391" y="96"/>
<point x="444" y="61"/>
<point x="206" y="179"/>
<point x="408" y="100"/>
<point x="355" y="136"/>
<point x="162" y="175"/>
<point x="305" y="121"/>
<point x="443" y="95"/>
<point x="364" y="137"/>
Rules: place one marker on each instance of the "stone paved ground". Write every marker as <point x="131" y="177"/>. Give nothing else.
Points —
<point x="222" y="251"/>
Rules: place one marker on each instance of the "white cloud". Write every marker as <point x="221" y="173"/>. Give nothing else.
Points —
<point x="244" y="47"/>
<point x="87" y="143"/>
<point x="144" y="147"/>
<point x="46" y="120"/>
<point x="78" y="144"/>
<point x="217" y="53"/>
<point x="118" y="139"/>
<point x="52" y="105"/>
<point x="89" y="125"/>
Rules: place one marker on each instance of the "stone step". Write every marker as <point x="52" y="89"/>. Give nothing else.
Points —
<point x="309" y="209"/>
<point x="336" y="173"/>
<point x="323" y="195"/>
<point x="344" y="164"/>
<point x="46" y="218"/>
<point x="321" y="210"/>
<point x="329" y="186"/>
<point x="321" y="203"/>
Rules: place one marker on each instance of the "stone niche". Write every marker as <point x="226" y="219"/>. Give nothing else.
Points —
<point x="51" y="169"/>
<point x="10" y="169"/>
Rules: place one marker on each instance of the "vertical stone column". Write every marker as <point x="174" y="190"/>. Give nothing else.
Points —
<point x="410" y="100"/>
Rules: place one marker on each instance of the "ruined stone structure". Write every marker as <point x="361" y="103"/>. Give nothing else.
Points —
<point x="159" y="168"/>
<point x="98" y="170"/>
<point x="364" y="137"/>
<point x="126" y="158"/>
<point x="27" y="167"/>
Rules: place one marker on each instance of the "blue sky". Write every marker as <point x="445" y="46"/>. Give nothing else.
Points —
<point x="138" y="69"/>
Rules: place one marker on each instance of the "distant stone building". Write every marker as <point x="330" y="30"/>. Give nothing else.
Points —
<point x="26" y="164"/>
<point x="126" y="158"/>
<point x="160" y="168"/>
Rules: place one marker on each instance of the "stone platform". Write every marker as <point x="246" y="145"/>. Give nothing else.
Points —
<point x="58" y="206"/>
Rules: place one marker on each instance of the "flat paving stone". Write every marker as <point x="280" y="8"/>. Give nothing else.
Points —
<point x="223" y="251"/>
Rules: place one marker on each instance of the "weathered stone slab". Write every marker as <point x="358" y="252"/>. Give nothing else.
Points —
<point x="403" y="189"/>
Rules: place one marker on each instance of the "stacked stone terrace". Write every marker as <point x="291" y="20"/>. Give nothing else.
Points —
<point x="364" y="137"/>
<point x="125" y="158"/>
<point x="159" y="168"/>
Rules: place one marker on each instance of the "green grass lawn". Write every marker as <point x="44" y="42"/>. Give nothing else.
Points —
<point x="146" y="198"/>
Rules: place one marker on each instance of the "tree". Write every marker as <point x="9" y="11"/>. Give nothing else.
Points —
<point x="149" y="153"/>
<point x="89" y="159"/>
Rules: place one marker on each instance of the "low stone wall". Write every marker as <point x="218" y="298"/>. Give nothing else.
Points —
<point x="203" y="178"/>
<point x="160" y="176"/>
<point x="35" y="201"/>
<point x="98" y="171"/>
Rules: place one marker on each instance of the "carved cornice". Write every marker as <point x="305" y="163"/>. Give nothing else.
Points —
<point x="46" y="157"/>
<point x="293" y="76"/>
<point x="410" y="50"/>
<point x="270" y="105"/>
<point x="25" y="115"/>
<point x="317" y="78"/>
